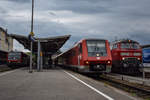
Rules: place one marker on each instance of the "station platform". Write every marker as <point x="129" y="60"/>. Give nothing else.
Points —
<point x="4" y="67"/>
<point x="55" y="84"/>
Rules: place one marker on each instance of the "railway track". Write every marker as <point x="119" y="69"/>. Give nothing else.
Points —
<point x="133" y="88"/>
<point x="4" y="68"/>
<point x="139" y="89"/>
<point x="147" y="75"/>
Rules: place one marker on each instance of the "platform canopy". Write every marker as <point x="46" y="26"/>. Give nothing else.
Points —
<point x="145" y="46"/>
<point x="48" y="45"/>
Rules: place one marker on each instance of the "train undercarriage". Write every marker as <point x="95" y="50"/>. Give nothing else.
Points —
<point x="127" y="66"/>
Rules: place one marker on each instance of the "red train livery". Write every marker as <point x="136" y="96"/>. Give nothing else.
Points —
<point x="126" y="56"/>
<point x="17" y="59"/>
<point x="88" y="56"/>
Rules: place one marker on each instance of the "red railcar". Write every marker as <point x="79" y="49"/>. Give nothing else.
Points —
<point x="126" y="57"/>
<point x="88" y="56"/>
<point x="17" y="59"/>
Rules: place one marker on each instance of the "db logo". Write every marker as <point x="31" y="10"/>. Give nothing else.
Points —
<point x="98" y="58"/>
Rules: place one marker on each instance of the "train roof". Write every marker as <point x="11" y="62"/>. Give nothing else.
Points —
<point x="88" y="39"/>
<point x="63" y="52"/>
<point x="145" y="46"/>
<point x="18" y="52"/>
<point x="93" y="39"/>
<point x="124" y="41"/>
<point x="77" y="44"/>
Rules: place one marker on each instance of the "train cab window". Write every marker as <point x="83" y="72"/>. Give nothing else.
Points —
<point x="135" y="46"/>
<point x="14" y="56"/>
<point x="96" y="47"/>
<point x="125" y="45"/>
<point x="115" y="46"/>
<point x="130" y="45"/>
<point x="80" y="48"/>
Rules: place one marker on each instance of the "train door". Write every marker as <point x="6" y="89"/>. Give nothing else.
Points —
<point x="80" y="54"/>
<point x="114" y="52"/>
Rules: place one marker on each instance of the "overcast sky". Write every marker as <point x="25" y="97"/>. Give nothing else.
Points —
<point x="108" y="19"/>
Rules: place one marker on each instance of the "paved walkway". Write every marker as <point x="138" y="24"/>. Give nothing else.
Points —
<point x="55" y="84"/>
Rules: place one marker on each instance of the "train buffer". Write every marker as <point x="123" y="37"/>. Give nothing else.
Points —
<point x="56" y="84"/>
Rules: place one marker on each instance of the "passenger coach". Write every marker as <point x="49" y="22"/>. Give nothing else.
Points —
<point x="17" y="59"/>
<point x="126" y="56"/>
<point x="88" y="56"/>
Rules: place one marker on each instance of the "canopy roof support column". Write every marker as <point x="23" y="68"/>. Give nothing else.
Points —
<point x="38" y="58"/>
<point x="41" y="60"/>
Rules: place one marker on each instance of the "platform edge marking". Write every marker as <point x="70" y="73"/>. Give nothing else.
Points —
<point x="5" y="73"/>
<point x="94" y="89"/>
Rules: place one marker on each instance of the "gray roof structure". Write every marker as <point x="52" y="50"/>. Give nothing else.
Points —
<point x="145" y="46"/>
<point x="49" y="45"/>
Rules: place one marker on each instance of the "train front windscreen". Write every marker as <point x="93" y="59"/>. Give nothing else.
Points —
<point x="128" y="45"/>
<point x="96" y="48"/>
<point x="14" y="56"/>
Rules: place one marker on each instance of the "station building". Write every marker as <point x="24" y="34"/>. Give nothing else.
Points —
<point x="6" y="42"/>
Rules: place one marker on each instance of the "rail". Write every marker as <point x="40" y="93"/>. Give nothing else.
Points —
<point x="139" y="80"/>
<point x="134" y="88"/>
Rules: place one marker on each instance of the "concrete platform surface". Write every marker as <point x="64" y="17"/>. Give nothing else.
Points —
<point x="55" y="84"/>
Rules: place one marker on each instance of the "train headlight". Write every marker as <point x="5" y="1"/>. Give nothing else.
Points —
<point x="137" y="54"/>
<point x="108" y="62"/>
<point x="123" y="58"/>
<point x="87" y="62"/>
<point x="139" y="58"/>
<point x="124" y="53"/>
<point x="97" y="55"/>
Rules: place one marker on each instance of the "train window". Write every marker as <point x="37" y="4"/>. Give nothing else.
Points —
<point x="73" y="53"/>
<point x="135" y="46"/>
<point x="80" y="48"/>
<point x="96" y="47"/>
<point x="115" y="46"/>
<point x="130" y="45"/>
<point x="14" y="56"/>
<point x="125" y="45"/>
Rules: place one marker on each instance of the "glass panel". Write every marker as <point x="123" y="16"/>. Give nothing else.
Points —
<point x="130" y="45"/>
<point x="14" y="56"/>
<point x="96" y="47"/>
<point x="125" y="45"/>
<point x="135" y="46"/>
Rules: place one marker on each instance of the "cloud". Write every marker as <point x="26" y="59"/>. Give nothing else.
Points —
<point x="76" y="6"/>
<point x="81" y="18"/>
<point x="18" y="46"/>
<point x="19" y="1"/>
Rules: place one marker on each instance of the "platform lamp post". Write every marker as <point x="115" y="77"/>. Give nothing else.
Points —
<point x="31" y="37"/>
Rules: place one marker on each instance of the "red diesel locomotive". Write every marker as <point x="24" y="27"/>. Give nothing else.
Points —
<point x="126" y="57"/>
<point x="88" y="56"/>
<point x="17" y="59"/>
